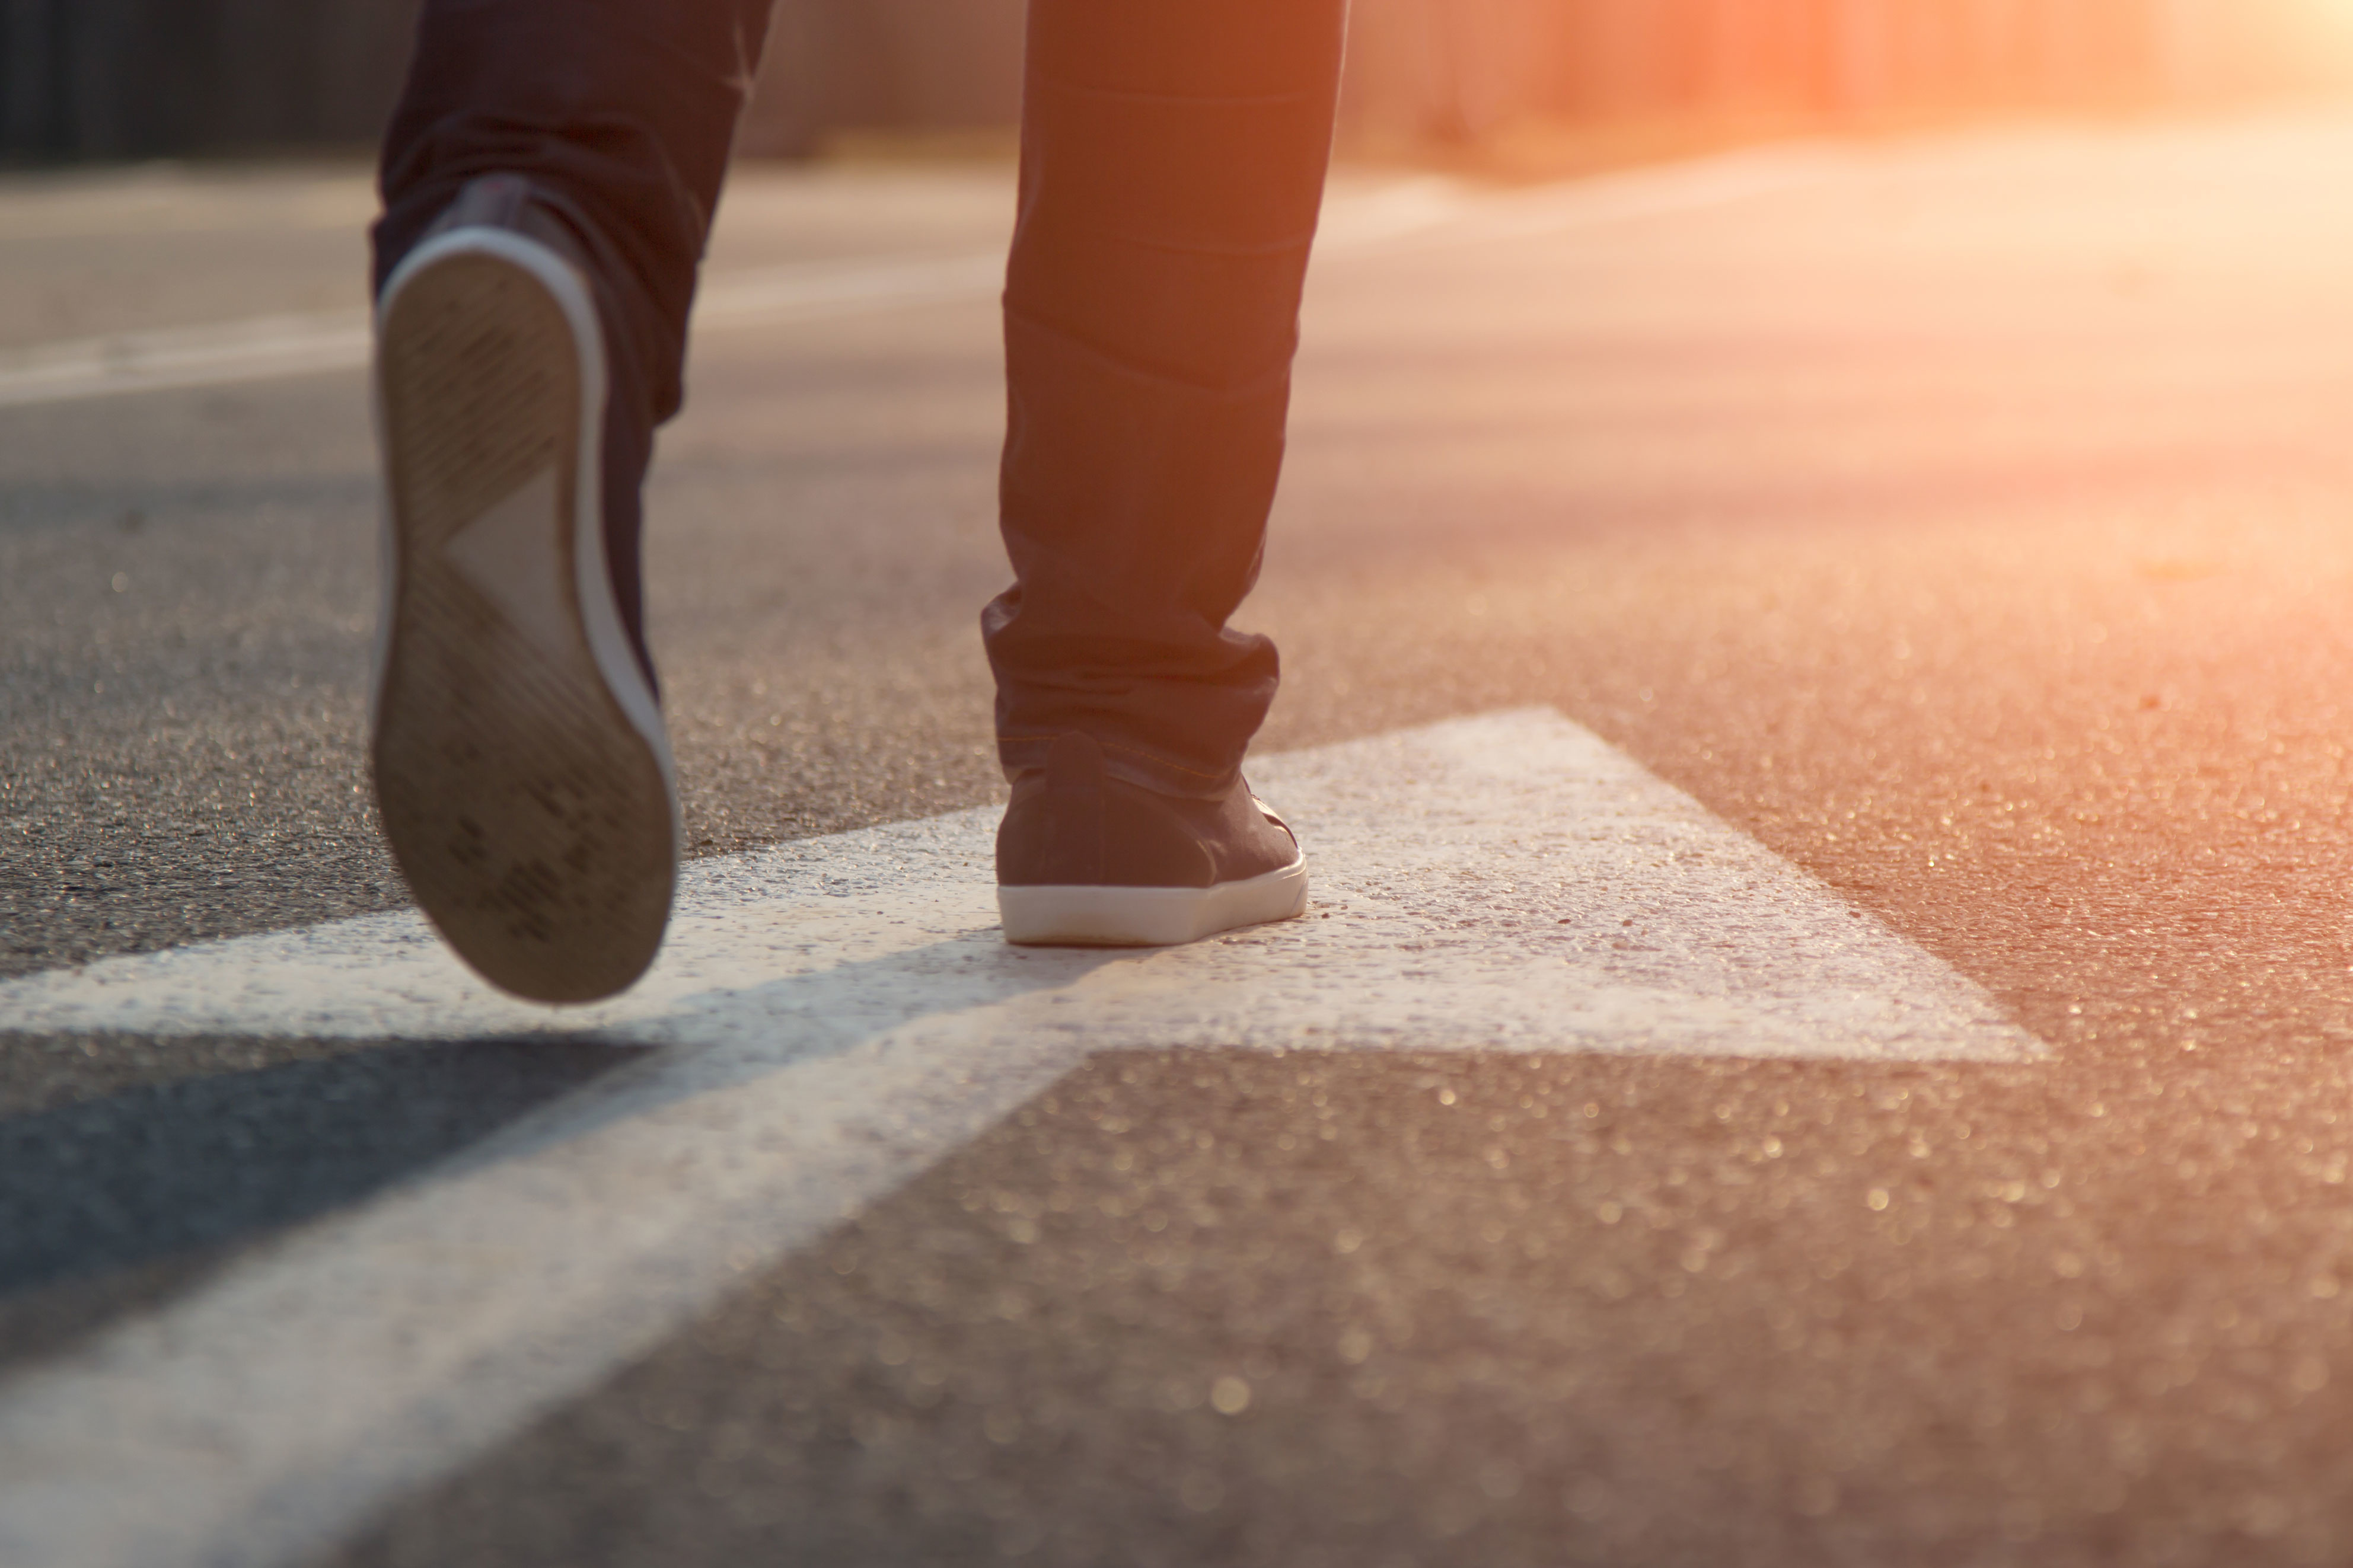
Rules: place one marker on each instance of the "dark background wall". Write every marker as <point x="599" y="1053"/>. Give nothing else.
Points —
<point x="134" y="78"/>
<point x="139" y="78"/>
<point x="129" y="79"/>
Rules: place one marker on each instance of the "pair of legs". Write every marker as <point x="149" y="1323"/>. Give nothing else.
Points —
<point x="1173" y="156"/>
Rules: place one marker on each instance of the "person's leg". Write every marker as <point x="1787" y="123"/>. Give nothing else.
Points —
<point x="548" y="182"/>
<point x="1173" y="154"/>
<point x="1172" y="163"/>
<point x="621" y="114"/>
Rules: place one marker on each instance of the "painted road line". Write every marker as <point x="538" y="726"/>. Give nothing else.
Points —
<point x="264" y="348"/>
<point x="837" y="1014"/>
<point x="1436" y="212"/>
<point x="810" y="293"/>
<point x="268" y="347"/>
<point x="1429" y="209"/>
<point x="260" y="348"/>
<point x="1502" y="883"/>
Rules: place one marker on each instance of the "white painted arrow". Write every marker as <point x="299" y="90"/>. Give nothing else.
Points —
<point x="1500" y="883"/>
<point x="839" y="1014"/>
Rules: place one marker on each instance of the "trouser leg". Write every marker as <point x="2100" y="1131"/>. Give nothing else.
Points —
<point x="1172" y="163"/>
<point x="621" y="112"/>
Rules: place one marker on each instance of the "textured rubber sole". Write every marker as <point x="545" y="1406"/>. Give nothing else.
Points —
<point x="525" y="781"/>
<point x="1089" y="916"/>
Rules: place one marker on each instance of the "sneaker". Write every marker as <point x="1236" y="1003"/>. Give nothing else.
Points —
<point x="1089" y="860"/>
<point x="521" y="766"/>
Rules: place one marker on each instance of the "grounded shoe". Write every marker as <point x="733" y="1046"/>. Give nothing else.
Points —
<point x="521" y="765"/>
<point x="1086" y="859"/>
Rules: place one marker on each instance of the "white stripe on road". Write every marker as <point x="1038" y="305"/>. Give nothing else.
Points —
<point x="264" y="348"/>
<point x="839" y="1014"/>
<point x="1434" y="210"/>
<point x="806" y="293"/>
<point x="1502" y="883"/>
<point x="267" y="347"/>
<point x="259" y="349"/>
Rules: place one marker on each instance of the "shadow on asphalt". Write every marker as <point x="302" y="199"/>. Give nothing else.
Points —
<point x="107" y="1204"/>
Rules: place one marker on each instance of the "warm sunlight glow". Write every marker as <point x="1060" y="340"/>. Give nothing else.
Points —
<point x="1476" y="70"/>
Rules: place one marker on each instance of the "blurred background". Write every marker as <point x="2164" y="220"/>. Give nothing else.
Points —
<point x="1537" y="84"/>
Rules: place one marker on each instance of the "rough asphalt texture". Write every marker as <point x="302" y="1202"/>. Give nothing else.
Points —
<point x="1969" y="527"/>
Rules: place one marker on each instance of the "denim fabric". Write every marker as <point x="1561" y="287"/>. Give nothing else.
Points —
<point x="1172" y="163"/>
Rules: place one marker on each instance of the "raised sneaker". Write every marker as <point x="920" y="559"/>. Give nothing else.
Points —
<point x="1087" y="859"/>
<point x="521" y="765"/>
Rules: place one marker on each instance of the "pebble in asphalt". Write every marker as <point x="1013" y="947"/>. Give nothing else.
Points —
<point x="1967" y="527"/>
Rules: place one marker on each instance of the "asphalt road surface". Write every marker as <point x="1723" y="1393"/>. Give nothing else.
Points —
<point x="1821" y="1041"/>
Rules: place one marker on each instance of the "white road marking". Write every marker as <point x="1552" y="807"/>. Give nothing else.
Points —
<point x="259" y="349"/>
<point x="1434" y="210"/>
<point x="840" y="1014"/>
<point x="801" y="293"/>
<point x="265" y="348"/>
<point x="1502" y="883"/>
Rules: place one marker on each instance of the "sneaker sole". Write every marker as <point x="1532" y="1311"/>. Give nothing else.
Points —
<point x="525" y="784"/>
<point x="1093" y="916"/>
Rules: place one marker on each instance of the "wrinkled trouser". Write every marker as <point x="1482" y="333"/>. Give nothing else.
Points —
<point x="1172" y="161"/>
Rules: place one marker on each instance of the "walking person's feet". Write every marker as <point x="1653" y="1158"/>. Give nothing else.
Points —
<point x="1084" y="859"/>
<point x="521" y="764"/>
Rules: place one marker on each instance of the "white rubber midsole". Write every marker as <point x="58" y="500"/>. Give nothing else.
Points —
<point x="1094" y="916"/>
